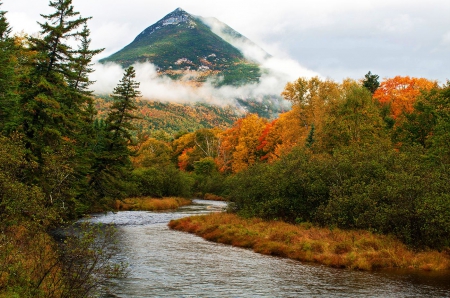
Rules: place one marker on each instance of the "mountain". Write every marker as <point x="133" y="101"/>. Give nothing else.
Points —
<point x="182" y="45"/>
<point x="164" y="120"/>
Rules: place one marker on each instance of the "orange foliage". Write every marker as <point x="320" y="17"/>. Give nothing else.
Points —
<point x="246" y="152"/>
<point x="401" y="93"/>
<point x="228" y="142"/>
<point x="280" y="136"/>
<point x="183" y="159"/>
<point x="355" y="249"/>
<point x="238" y="146"/>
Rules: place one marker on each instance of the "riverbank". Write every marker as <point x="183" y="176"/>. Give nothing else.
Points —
<point x="150" y="204"/>
<point x="360" y="250"/>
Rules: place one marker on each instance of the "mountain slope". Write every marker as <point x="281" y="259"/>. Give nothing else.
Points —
<point x="180" y="44"/>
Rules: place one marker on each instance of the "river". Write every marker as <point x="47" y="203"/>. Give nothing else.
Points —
<point x="167" y="263"/>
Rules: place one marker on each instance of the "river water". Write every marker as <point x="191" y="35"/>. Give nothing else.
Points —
<point x="167" y="263"/>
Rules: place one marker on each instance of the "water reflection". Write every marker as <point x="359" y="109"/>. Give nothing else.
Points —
<point x="166" y="263"/>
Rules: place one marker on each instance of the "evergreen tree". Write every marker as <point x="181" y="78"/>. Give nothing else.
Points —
<point x="8" y="78"/>
<point x="120" y="116"/>
<point x="49" y="111"/>
<point x="57" y="110"/>
<point x="371" y="82"/>
<point x="310" y="139"/>
<point x="82" y="64"/>
<point x="112" y="166"/>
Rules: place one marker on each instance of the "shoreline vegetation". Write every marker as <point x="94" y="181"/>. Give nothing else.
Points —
<point x="357" y="249"/>
<point x="150" y="204"/>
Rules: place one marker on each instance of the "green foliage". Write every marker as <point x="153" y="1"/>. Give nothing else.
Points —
<point x="355" y="119"/>
<point x="354" y="177"/>
<point x="165" y="44"/>
<point x="49" y="147"/>
<point x="310" y="139"/>
<point x="9" y="100"/>
<point x="207" y="178"/>
<point x="110" y="172"/>
<point x="371" y="82"/>
<point x="162" y="181"/>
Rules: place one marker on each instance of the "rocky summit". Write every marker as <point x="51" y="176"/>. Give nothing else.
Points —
<point x="184" y="47"/>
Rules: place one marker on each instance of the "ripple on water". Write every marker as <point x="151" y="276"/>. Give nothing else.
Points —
<point x="167" y="263"/>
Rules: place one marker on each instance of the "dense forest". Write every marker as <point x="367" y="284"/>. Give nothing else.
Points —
<point x="352" y="155"/>
<point x="355" y="155"/>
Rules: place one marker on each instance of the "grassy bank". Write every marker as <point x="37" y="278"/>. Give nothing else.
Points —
<point x="332" y="247"/>
<point x="150" y="204"/>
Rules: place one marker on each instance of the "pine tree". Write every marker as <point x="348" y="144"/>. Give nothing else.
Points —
<point x="57" y="109"/>
<point x="311" y="137"/>
<point x="50" y="113"/>
<point x="120" y="116"/>
<point x="8" y="78"/>
<point x="81" y="64"/>
<point x="112" y="166"/>
<point x="371" y="82"/>
<point x="60" y="27"/>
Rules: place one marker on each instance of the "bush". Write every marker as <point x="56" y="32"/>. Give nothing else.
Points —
<point x="162" y="181"/>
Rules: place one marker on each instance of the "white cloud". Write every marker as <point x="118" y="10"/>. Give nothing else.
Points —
<point x="446" y="39"/>
<point x="161" y="88"/>
<point x="311" y="32"/>
<point x="399" y="24"/>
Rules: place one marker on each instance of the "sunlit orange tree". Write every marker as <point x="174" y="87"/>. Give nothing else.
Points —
<point x="400" y="93"/>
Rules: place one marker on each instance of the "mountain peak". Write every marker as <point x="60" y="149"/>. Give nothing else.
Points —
<point x="176" y="17"/>
<point x="179" y="9"/>
<point x="182" y="46"/>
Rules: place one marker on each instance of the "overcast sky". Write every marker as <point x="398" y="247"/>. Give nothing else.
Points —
<point x="335" y="38"/>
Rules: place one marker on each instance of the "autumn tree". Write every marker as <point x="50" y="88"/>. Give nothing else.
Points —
<point x="151" y="153"/>
<point x="400" y="93"/>
<point x="281" y="135"/>
<point x="353" y="119"/>
<point x="245" y="153"/>
<point x="192" y="147"/>
<point x="310" y="98"/>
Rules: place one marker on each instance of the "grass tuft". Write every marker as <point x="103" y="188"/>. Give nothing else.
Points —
<point x="150" y="204"/>
<point x="361" y="250"/>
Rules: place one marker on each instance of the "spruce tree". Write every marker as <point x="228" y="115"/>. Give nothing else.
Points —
<point x="112" y="167"/>
<point x="48" y="115"/>
<point x="8" y="78"/>
<point x="120" y="117"/>
<point x="371" y="82"/>
<point x="57" y="111"/>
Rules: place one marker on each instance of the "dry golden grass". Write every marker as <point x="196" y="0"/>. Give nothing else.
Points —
<point x="150" y="204"/>
<point x="213" y="197"/>
<point x="360" y="250"/>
